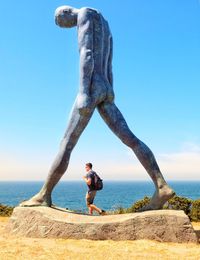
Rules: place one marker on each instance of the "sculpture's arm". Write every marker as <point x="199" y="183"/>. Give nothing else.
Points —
<point x="110" y="74"/>
<point x="85" y="39"/>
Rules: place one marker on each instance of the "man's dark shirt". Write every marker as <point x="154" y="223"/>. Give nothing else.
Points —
<point x="90" y="175"/>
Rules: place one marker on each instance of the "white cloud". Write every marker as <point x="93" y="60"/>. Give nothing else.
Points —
<point x="190" y="146"/>
<point x="181" y="165"/>
<point x="174" y="166"/>
<point x="22" y="167"/>
<point x="184" y="164"/>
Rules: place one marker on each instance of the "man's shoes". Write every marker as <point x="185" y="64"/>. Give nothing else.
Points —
<point x="103" y="212"/>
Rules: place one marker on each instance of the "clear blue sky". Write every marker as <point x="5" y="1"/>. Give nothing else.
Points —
<point x="156" y="68"/>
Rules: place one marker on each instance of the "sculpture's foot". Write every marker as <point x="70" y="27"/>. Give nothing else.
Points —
<point x="37" y="200"/>
<point x="160" y="197"/>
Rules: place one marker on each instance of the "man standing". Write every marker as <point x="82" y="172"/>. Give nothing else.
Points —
<point x="91" y="193"/>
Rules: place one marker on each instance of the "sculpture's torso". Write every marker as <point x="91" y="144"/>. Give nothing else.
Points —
<point x="101" y="83"/>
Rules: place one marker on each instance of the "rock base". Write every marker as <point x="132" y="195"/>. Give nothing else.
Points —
<point x="160" y="225"/>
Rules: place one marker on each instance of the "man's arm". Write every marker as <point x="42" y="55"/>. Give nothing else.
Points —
<point x="85" y="41"/>
<point x="87" y="180"/>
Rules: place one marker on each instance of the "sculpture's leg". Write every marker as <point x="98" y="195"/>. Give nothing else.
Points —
<point x="115" y="120"/>
<point x="78" y="120"/>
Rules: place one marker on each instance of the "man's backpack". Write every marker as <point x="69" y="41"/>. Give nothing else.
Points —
<point x="98" y="182"/>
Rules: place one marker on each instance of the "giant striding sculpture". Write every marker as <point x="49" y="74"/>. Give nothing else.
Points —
<point x="96" y="91"/>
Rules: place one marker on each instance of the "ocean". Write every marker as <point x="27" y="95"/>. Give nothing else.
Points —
<point x="71" y="194"/>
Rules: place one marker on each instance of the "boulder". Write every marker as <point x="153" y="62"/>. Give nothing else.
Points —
<point x="160" y="225"/>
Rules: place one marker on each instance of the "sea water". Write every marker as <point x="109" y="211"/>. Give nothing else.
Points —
<point x="71" y="194"/>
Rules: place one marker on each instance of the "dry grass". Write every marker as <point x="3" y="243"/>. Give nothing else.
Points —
<point x="38" y="248"/>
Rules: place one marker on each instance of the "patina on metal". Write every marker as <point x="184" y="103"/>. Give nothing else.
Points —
<point x="96" y="91"/>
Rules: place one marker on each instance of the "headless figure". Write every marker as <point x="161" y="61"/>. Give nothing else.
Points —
<point x="96" y="91"/>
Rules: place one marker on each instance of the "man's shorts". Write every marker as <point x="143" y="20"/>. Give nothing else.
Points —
<point x="90" y="195"/>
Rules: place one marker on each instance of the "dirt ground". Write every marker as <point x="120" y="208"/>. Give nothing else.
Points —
<point x="41" y="248"/>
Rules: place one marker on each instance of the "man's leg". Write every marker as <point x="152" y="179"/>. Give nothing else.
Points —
<point x="90" y="210"/>
<point x="90" y="195"/>
<point x="116" y="122"/>
<point x="87" y="200"/>
<point x="94" y="207"/>
<point x="78" y="121"/>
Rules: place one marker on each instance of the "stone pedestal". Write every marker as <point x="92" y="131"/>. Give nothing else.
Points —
<point x="160" y="225"/>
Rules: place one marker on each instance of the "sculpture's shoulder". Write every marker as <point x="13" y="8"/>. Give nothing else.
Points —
<point x="87" y="14"/>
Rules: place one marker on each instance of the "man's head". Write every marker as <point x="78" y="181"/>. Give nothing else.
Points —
<point x="88" y="166"/>
<point x="66" y="16"/>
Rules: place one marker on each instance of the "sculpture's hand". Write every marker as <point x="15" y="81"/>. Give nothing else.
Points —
<point x="84" y="103"/>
